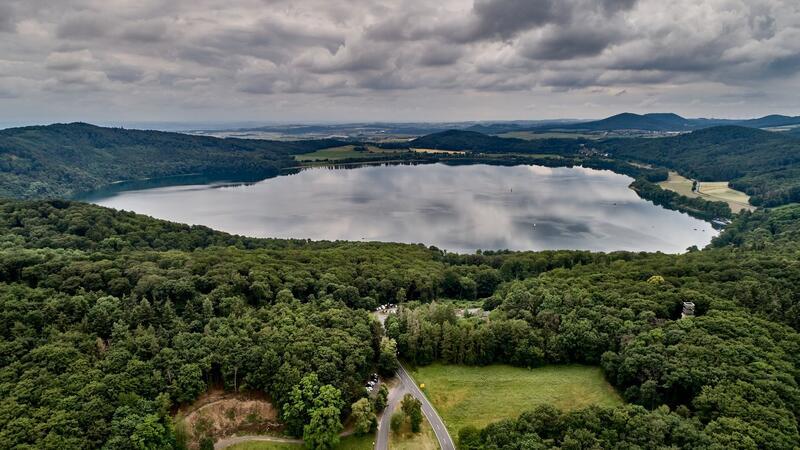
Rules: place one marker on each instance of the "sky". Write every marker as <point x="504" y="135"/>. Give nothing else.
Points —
<point x="122" y="61"/>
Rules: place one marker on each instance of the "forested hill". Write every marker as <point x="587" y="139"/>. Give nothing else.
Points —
<point x="669" y="122"/>
<point x="764" y="164"/>
<point x="62" y="160"/>
<point x="482" y="143"/>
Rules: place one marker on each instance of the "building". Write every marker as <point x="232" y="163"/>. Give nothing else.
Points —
<point x="688" y="310"/>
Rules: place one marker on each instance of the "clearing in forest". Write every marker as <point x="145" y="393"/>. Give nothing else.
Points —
<point x="435" y="151"/>
<point x="479" y="396"/>
<point x="344" y="152"/>
<point x="217" y="414"/>
<point x="709" y="190"/>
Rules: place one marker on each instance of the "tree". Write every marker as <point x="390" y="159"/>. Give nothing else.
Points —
<point x="397" y="421"/>
<point x="363" y="416"/>
<point x="412" y="408"/>
<point x="387" y="360"/>
<point x="189" y="383"/>
<point x="381" y="399"/>
<point x="324" y="426"/>
<point x="297" y="411"/>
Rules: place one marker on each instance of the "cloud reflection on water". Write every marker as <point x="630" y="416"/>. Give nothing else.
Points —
<point x="458" y="208"/>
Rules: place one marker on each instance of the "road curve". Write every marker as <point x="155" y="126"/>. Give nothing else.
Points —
<point x="408" y="385"/>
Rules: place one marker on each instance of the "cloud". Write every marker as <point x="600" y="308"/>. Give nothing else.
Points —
<point x="7" y="19"/>
<point x="84" y="26"/>
<point x="249" y="55"/>
<point x="69" y="61"/>
<point x="569" y="43"/>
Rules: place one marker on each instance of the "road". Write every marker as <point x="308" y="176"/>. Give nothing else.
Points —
<point x="408" y="385"/>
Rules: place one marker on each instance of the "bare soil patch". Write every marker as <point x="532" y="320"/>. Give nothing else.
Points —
<point x="218" y="414"/>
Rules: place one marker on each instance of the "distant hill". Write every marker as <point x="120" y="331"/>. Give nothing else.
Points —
<point x="63" y="160"/>
<point x="774" y="120"/>
<point x="630" y="121"/>
<point x="669" y="122"/>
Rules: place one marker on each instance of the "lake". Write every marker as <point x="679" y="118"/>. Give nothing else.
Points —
<point x="457" y="208"/>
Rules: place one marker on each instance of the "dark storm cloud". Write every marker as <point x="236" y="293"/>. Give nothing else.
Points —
<point x="506" y="18"/>
<point x="205" y="54"/>
<point x="440" y="55"/>
<point x="83" y="26"/>
<point x="7" y="19"/>
<point x="561" y="44"/>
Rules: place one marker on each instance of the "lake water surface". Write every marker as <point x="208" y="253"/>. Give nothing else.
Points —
<point x="458" y="208"/>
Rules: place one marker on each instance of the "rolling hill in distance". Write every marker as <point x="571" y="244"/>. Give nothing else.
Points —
<point x="626" y="121"/>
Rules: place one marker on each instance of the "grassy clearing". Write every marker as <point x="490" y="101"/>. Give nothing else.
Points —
<point x="722" y="191"/>
<point x="432" y="150"/>
<point x="343" y="152"/>
<point x="347" y="443"/>
<point x="479" y="396"/>
<point x="406" y="440"/>
<point x="679" y="184"/>
<point x="709" y="190"/>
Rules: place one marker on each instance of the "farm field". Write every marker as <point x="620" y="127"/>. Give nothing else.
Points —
<point x="709" y="190"/>
<point x="432" y="150"/>
<point x="343" y="152"/>
<point x="478" y="396"/>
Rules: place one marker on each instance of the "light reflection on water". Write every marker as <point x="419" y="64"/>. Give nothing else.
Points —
<point x="458" y="208"/>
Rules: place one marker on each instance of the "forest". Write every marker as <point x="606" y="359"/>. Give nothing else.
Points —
<point x="64" y="160"/>
<point x="761" y="163"/>
<point x="109" y="320"/>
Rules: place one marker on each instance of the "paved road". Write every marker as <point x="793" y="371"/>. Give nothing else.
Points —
<point x="395" y="397"/>
<point x="408" y="385"/>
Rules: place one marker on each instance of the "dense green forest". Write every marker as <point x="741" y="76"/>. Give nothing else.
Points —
<point x="761" y="163"/>
<point x="62" y="160"/>
<point x="110" y="319"/>
<point x="727" y="378"/>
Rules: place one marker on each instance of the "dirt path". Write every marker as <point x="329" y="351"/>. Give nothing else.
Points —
<point x="233" y="440"/>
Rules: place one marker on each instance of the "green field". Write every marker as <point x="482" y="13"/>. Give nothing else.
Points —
<point x="347" y="443"/>
<point x="479" y="396"/>
<point x="343" y="152"/>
